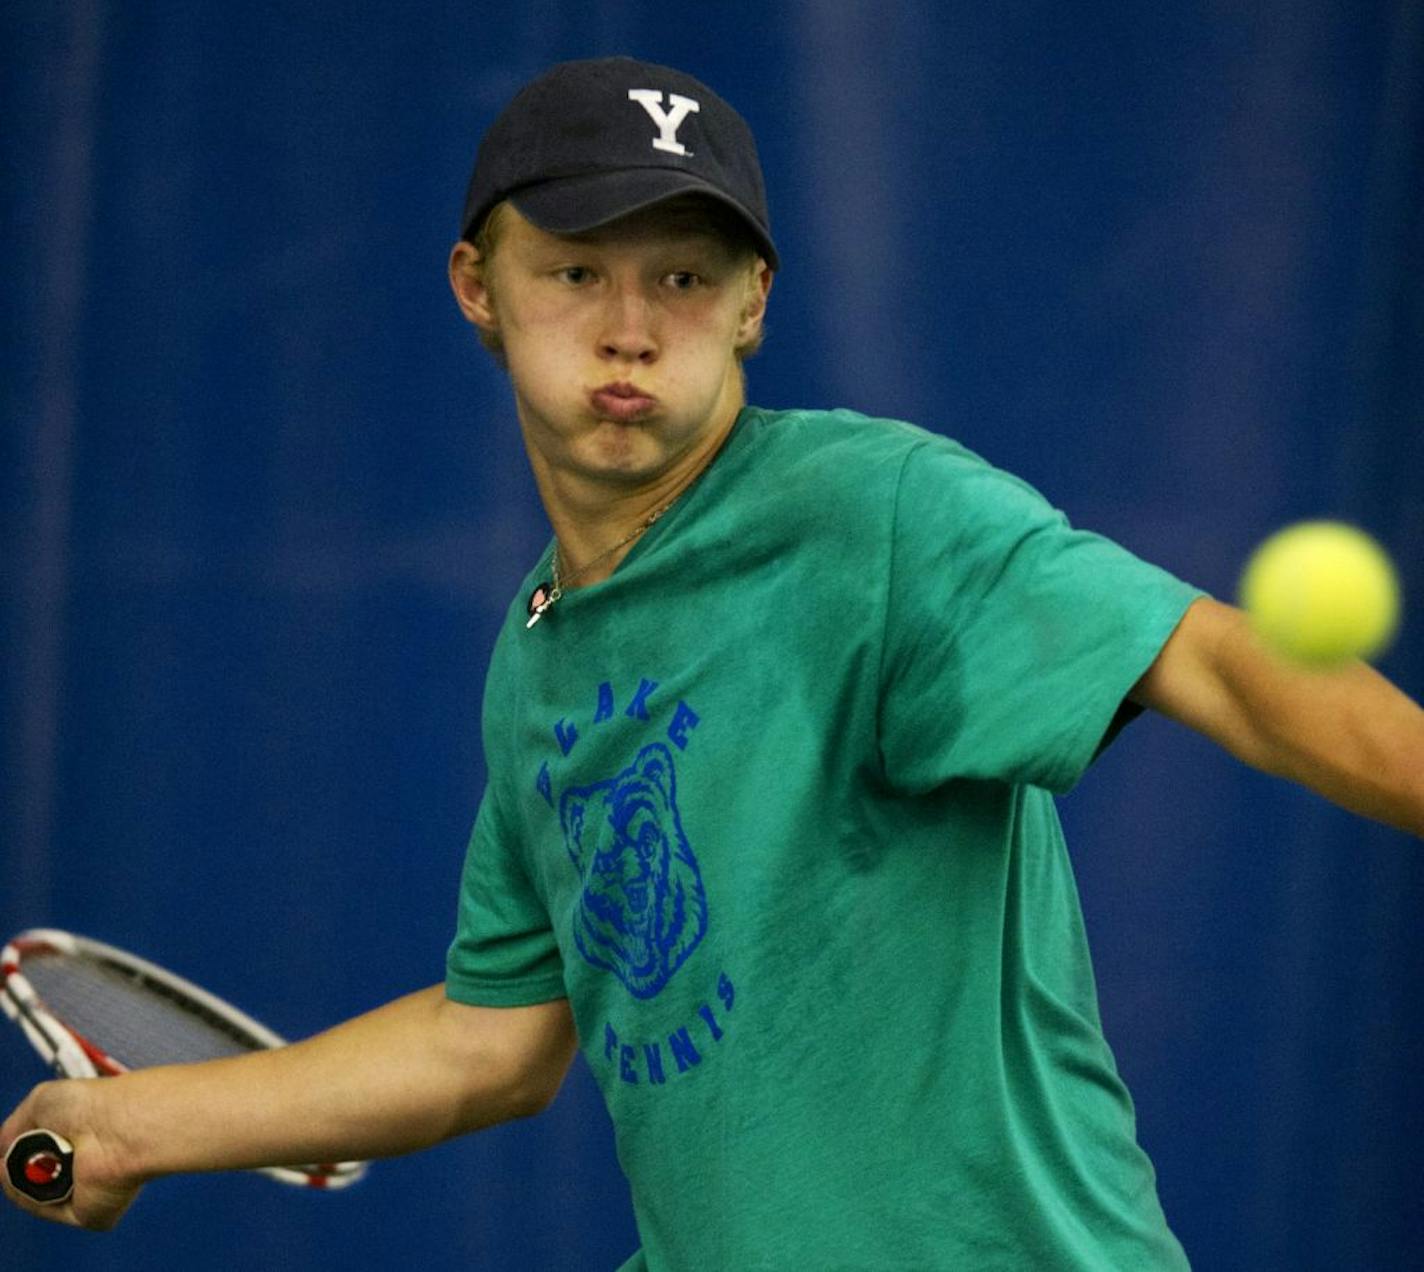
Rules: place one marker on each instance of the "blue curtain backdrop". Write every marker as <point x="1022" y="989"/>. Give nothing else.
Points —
<point x="263" y="504"/>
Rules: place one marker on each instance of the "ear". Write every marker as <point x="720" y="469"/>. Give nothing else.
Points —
<point x="472" y="293"/>
<point x="754" y="312"/>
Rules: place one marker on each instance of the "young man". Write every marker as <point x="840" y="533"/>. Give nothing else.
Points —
<point x="771" y="735"/>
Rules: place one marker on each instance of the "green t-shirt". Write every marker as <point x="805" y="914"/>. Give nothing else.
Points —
<point x="771" y="806"/>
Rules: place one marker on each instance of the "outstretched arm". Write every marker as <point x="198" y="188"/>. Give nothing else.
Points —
<point x="1347" y="734"/>
<point x="420" y="1070"/>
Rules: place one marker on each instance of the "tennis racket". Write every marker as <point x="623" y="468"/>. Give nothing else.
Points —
<point x="93" y="1011"/>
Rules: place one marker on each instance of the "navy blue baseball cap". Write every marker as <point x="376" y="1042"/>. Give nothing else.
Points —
<point x="590" y="141"/>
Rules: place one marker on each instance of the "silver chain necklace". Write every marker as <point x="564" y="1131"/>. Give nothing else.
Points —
<point x="547" y="593"/>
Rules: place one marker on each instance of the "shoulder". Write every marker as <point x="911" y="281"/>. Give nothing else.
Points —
<point x="844" y="457"/>
<point x="841" y="434"/>
<point x="838" y="451"/>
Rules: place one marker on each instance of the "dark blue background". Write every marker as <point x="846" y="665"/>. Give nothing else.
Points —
<point x="263" y="503"/>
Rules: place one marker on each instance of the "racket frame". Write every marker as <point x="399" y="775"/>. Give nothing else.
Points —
<point x="71" y="1055"/>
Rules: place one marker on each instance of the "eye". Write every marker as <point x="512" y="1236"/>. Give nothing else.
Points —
<point x="574" y="275"/>
<point x="683" y="280"/>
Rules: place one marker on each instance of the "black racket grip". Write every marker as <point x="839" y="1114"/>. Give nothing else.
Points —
<point x="40" y="1164"/>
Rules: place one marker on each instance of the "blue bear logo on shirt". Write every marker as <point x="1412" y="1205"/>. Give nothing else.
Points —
<point x="643" y="909"/>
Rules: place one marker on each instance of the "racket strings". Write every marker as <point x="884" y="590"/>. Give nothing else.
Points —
<point x="136" y="1020"/>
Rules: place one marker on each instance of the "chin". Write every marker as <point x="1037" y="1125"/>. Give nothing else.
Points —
<point x="627" y="449"/>
<point x="625" y="472"/>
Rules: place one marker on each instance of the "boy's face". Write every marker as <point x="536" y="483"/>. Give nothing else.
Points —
<point x="620" y="343"/>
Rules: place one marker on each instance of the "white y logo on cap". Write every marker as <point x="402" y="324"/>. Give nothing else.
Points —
<point x="668" y="121"/>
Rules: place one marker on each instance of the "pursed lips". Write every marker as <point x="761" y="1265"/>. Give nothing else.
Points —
<point x="622" y="401"/>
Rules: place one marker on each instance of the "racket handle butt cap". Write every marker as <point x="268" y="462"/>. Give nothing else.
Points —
<point x="40" y="1165"/>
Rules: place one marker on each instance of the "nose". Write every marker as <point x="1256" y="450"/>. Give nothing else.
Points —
<point x="628" y="331"/>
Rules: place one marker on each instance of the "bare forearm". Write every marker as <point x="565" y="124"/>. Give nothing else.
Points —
<point x="1347" y="734"/>
<point x="400" y="1078"/>
<point x="384" y="1083"/>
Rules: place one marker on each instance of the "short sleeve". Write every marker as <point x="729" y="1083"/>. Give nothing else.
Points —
<point x="504" y="953"/>
<point x="1011" y="639"/>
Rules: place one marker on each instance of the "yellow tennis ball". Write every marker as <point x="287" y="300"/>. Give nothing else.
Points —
<point x="1322" y="593"/>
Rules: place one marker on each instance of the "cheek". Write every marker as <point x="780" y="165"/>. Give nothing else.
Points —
<point x="540" y="336"/>
<point x="705" y="331"/>
<point x="536" y="317"/>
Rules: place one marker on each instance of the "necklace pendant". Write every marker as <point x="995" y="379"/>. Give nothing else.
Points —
<point x="540" y="599"/>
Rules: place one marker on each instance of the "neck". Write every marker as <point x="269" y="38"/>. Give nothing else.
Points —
<point x="591" y="517"/>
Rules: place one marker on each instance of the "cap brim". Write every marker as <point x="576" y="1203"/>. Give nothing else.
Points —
<point x="573" y="205"/>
